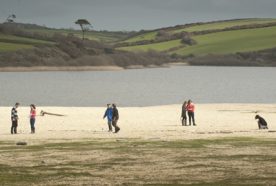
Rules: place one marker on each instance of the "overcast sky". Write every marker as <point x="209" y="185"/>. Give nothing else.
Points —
<point x="132" y="14"/>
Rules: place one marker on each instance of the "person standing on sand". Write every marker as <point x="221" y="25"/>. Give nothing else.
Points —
<point x="32" y="118"/>
<point x="109" y="114"/>
<point x="115" y="118"/>
<point x="262" y="124"/>
<point x="14" y="119"/>
<point x="183" y="114"/>
<point x="191" y="112"/>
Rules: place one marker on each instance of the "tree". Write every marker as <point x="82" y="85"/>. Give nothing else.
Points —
<point x="10" y="18"/>
<point x="84" y="24"/>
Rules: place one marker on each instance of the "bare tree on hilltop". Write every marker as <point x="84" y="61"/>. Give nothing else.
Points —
<point x="84" y="24"/>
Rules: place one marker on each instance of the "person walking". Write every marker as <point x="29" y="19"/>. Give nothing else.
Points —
<point x="32" y="118"/>
<point x="109" y="114"/>
<point x="191" y="112"/>
<point x="184" y="114"/>
<point x="262" y="124"/>
<point x="14" y="119"/>
<point x="115" y="118"/>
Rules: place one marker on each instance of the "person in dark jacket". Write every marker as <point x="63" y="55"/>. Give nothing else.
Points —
<point x="184" y="114"/>
<point x="262" y="124"/>
<point x="115" y="118"/>
<point x="14" y="119"/>
<point x="109" y="114"/>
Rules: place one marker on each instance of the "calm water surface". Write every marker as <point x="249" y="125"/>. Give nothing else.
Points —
<point x="144" y="87"/>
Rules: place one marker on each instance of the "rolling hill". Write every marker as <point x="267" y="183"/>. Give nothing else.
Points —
<point x="223" y="37"/>
<point x="18" y="36"/>
<point x="240" y="40"/>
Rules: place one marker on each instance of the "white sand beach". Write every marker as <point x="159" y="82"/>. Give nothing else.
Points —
<point x="157" y="122"/>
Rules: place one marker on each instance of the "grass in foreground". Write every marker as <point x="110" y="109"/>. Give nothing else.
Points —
<point x="224" y="161"/>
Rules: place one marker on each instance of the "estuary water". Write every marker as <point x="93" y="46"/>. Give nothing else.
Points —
<point x="140" y="87"/>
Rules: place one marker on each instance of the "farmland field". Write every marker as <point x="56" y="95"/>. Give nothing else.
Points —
<point x="4" y="47"/>
<point x="162" y="46"/>
<point x="226" y="24"/>
<point x="232" y="41"/>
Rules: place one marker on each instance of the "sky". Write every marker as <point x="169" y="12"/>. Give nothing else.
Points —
<point x="128" y="15"/>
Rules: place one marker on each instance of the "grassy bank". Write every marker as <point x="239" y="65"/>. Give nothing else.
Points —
<point x="223" y="161"/>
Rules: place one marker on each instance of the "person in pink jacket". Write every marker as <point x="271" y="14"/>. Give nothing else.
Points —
<point x="191" y="112"/>
<point x="32" y="118"/>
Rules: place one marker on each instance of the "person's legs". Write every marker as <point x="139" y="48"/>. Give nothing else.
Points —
<point x="114" y="123"/>
<point x="15" y="127"/>
<point x="184" y="121"/>
<point x="259" y="125"/>
<point x="190" y="117"/>
<point x="109" y="126"/>
<point x="193" y="117"/>
<point x="32" y="121"/>
<point x="12" y="128"/>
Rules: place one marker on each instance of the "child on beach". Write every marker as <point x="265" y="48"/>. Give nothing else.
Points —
<point x="14" y="119"/>
<point x="183" y="114"/>
<point x="109" y="114"/>
<point x="191" y="112"/>
<point x="32" y="118"/>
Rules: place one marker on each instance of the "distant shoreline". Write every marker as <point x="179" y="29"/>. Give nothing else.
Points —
<point x="62" y="68"/>
<point x="82" y="68"/>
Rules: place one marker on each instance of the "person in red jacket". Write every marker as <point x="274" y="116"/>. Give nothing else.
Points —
<point x="191" y="112"/>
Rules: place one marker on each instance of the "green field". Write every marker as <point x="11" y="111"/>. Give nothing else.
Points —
<point x="217" y="43"/>
<point x="93" y="35"/>
<point x="5" y="47"/>
<point x="206" y="162"/>
<point x="232" y="42"/>
<point x="17" y="39"/>
<point x="162" y="46"/>
<point x="143" y="37"/>
<point x="209" y="26"/>
<point x="226" y="24"/>
<point x="13" y="43"/>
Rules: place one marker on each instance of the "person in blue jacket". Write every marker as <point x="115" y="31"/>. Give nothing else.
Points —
<point x="109" y="115"/>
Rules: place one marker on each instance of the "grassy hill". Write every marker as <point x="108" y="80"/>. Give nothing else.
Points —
<point x="223" y="37"/>
<point x="223" y="24"/>
<point x="232" y="42"/>
<point x="12" y="43"/>
<point x="18" y="36"/>
<point x="102" y="36"/>
<point x="181" y="42"/>
<point x="160" y="46"/>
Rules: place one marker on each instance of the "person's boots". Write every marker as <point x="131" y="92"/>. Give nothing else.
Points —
<point x="117" y="129"/>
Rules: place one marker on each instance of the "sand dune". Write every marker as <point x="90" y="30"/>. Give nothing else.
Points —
<point x="158" y="122"/>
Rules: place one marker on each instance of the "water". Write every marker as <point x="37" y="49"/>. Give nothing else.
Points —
<point x="144" y="87"/>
